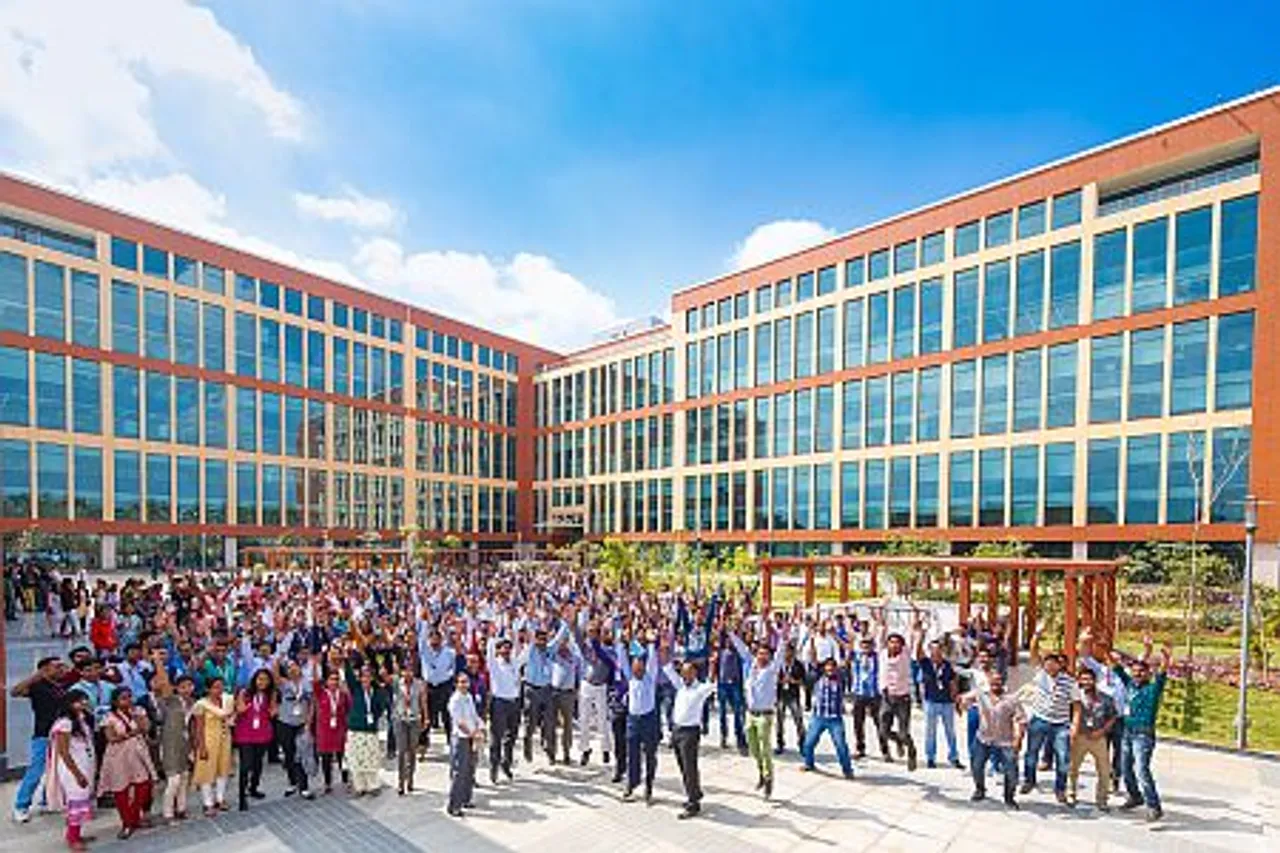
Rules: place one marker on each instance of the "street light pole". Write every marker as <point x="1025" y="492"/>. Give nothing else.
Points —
<point x="1242" y="707"/>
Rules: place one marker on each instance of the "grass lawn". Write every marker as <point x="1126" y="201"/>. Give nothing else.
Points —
<point x="1208" y="715"/>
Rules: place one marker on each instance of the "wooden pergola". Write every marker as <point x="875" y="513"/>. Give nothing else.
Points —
<point x="309" y="557"/>
<point x="1089" y="587"/>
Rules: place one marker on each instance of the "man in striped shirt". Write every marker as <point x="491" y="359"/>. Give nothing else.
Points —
<point x="1048" y="696"/>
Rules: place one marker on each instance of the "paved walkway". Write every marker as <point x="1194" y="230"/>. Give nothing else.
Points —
<point x="1213" y="802"/>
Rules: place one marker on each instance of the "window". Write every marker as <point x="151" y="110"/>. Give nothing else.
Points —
<point x="853" y="338"/>
<point x="960" y="499"/>
<point x="804" y="291"/>
<point x="315" y="308"/>
<point x="742" y="301"/>
<point x="804" y="422"/>
<point x="88" y="482"/>
<point x="1031" y="219"/>
<point x="933" y="248"/>
<point x="186" y="331"/>
<point x="877" y="411"/>
<point x="903" y="407"/>
<point x="1193" y="248"/>
<point x="801" y="476"/>
<point x="14" y="375"/>
<point x="246" y="420"/>
<point x="315" y="361"/>
<point x="51" y="391"/>
<point x="184" y="270"/>
<point x="826" y="341"/>
<point x="293" y="301"/>
<point x="850" y="499"/>
<point x="1150" y="265"/>
<point x="246" y="345"/>
<point x="38" y="235"/>
<point x="15" y="479"/>
<point x="824" y="405"/>
<point x="124" y="254"/>
<point x="764" y="300"/>
<point x="188" y="482"/>
<point x="215" y="491"/>
<point x="900" y="491"/>
<point x="51" y="291"/>
<point x="874" y="487"/>
<point x="1146" y="373"/>
<point x="269" y="295"/>
<point x="340" y="313"/>
<point x="826" y="281"/>
<point x="159" y="486"/>
<point x="85" y="310"/>
<point x="995" y="301"/>
<point x="904" y="257"/>
<point x="1185" y="470"/>
<point x="1064" y="285"/>
<point x="246" y="288"/>
<point x="998" y="229"/>
<point x="781" y="350"/>
<point x="1233" y="373"/>
<point x="904" y="321"/>
<point x="995" y="394"/>
<point x="1231" y="452"/>
<point x="878" y="328"/>
<point x="186" y="407"/>
<point x="782" y="294"/>
<point x="124" y="317"/>
<point x="761" y="428"/>
<point x="1190" y="367"/>
<point x="1239" y="235"/>
<point x="963" y="398"/>
<point x="155" y="262"/>
<point x="128" y="485"/>
<point x="966" y="240"/>
<point x="764" y="355"/>
<point x="159" y="406"/>
<point x="782" y="425"/>
<point x="804" y="345"/>
<point x="86" y="397"/>
<point x="1109" y="251"/>
<point x="991" y="487"/>
<point x="1029" y="310"/>
<point x="213" y="279"/>
<point x="855" y="272"/>
<point x="269" y="349"/>
<point x="1103" y="487"/>
<point x="126" y="402"/>
<point x="1066" y="209"/>
<point x="1106" y="378"/>
<point x="1059" y="483"/>
<point x="360" y="323"/>
<point x="1024" y="485"/>
<point x="293" y="355"/>
<point x="927" y="490"/>
<point x="1142" y="480"/>
<point x="157" y="324"/>
<point x="931" y="315"/>
<point x="215" y="337"/>
<point x="929" y="404"/>
<point x="851" y="414"/>
<point x="964" y="324"/>
<point x="1060" y="410"/>
<point x="1026" y="390"/>
<point x="246" y="493"/>
<point x="878" y="265"/>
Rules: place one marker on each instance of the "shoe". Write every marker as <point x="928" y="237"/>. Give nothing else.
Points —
<point x="290" y="791"/>
<point x="932" y="765"/>
<point x="244" y="805"/>
<point x="689" y="811"/>
<point x="506" y="771"/>
<point x="1131" y="803"/>
<point x="1026" y="788"/>
<point x="528" y="752"/>
<point x="901" y="749"/>
<point x="551" y="759"/>
<point x="454" y="812"/>
<point x="1043" y="766"/>
<point x="628" y="795"/>
<point x="957" y="765"/>
<point x="759" y="782"/>
<point x="468" y="805"/>
<point x="724" y="743"/>
<point x="308" y="795"/>
<point x="21" y="815"/>
<point x="768" y="787"/>
<point x="1154" y="814"/>
<point x="849" y="776"/>
<point x="564" y="759"/>
<point x="617" y="778"/>
<point x="1103" y="807"/>
<point x="606" y="757"/>
<point x="1062" y="800"/>
<point x="859" y="755"/>
<point x="586" y="756"/>
<point x="977" y="796"/>
<point x="911" y="759"/>
<point x="777" y="750"/>
<point x="257" y="795"/>
<point x="648" y="795"/>
<point x="493" y="774"/>
<point x="1010" y="803"/>
<point x="743" y="751"/>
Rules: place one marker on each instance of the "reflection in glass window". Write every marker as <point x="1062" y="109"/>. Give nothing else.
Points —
<point x="964" y="392"/>
<point x="1189" y="375"/>
<point x="1024" y="485"/>
<point x="1106" y="378"/>
<point x="1059" y="483"/>
<point x="999" y="228"/>
<point x="1237" y="262"/>
<point x="1146" y="373"/>
<point x="960" y="497"/>
<point x="995" y="301"/>
<point x="1192" y="255"/>
<point x="1150" y="265"/>
<point x="1029" y="305"/>
<point x="1066" y="209"/>
<point x="1064" y="285"/>
<point x="964" y="325"/>
<point x="1026" y="390"/>
<point x="995" y="394"/>
<point x="1109" y="251"/>
<point x="1233" y="373"/>
<point x="1103" y="486"/>
<point x="1031" y="219"/>
<point x="991" y="464"/>
<point x="904" y="321"/>
<point x="1061" y="398"/>
<point x="1142" y="480"/>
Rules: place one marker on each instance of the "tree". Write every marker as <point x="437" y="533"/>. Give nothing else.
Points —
<point x="619" y="561"/>
<point x="906" y="578"/>
<point x="1007" y="548"/>
<point x="1235" y="454"/>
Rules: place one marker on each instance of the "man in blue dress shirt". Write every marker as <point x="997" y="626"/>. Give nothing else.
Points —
<point x="642" y="718"/>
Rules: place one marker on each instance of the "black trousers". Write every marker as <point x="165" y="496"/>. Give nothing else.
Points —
<point x="438" y="707"/>
<point x="563" y="703"/>
<point x="789" y="705"/>
<point x="864" y="708"/>
<point x="251" y="757"/>
<point x="618" y="719"/>
<point x="896" y="710"/>
<point x="505" y="723"/>
<point x="539" y="716"/>
<point x="327" y="760"/>
<point x="287" y="737"/>
<point x="684" y="742"/>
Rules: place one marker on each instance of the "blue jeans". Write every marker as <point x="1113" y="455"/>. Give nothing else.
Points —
<point x="1059" y="736"/>
<point x="34" y="775"/>
<point x="984" y="753"/>
<point x="835" y="727"/>
<point x="972" y="721"/>
<point x="946" y="712"/>
<point x="729" y="697"/>
<point x="1136" y="748"/>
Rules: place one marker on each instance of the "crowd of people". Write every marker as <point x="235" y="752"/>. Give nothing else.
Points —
<point x="188" y="681"/>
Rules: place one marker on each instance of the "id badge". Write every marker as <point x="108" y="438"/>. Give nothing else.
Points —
<point x="333" y="722"/>
<point x="369" y="719"/>
<point x="256" y="722"/>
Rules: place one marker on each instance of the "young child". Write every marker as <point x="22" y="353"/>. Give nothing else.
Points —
<point x="70" y="775"/>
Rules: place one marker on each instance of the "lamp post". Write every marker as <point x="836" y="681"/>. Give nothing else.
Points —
<point x="1242" y="708"/>
<point x="697" y="562"/>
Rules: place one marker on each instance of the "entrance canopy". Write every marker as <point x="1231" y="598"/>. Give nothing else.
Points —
<point x="1089" y="586"/>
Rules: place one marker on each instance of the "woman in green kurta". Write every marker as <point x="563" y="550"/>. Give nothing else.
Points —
<point x="369" y="704"/>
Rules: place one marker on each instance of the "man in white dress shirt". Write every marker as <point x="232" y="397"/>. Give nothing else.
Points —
<point x="686" y="720"/>
<point x="467" y="729"/>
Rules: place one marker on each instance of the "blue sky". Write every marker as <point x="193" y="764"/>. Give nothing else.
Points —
<point x="550" y="166"/>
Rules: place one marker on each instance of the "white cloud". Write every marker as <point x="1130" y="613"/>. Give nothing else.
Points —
<point x="527" y="297"/>
<point x="352" y="208"/>
<point x="776" y="239"/>
<point x="77" y="80"/>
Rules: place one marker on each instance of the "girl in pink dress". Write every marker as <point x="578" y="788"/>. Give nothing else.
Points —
<point x="127" y="771"/>
<point x="69" y="779"/>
